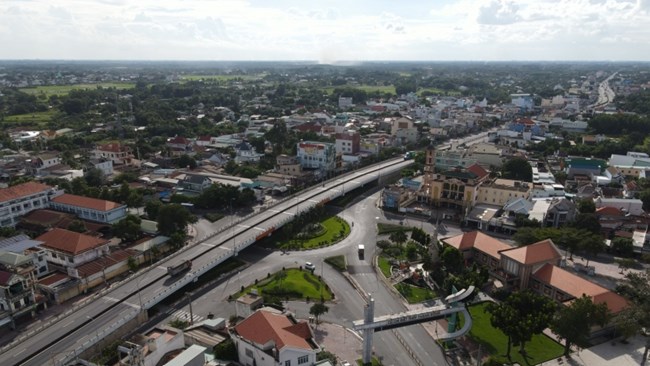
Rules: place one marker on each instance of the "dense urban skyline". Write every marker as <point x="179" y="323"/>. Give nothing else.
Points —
<point x="327" y="32"/>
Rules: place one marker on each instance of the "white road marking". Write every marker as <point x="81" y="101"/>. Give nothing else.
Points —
<point x="68" y="323"/>
<point x="208" y="245"/>
<point x="185" y="316"/>
<point x="23" y="350"/>
<point x="111" y="299"/>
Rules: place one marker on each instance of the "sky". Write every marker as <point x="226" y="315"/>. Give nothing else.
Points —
<point x="326" y="31"/>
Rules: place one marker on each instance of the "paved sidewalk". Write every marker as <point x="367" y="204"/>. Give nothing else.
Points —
<point x="609" y="353"/>
<point x="339" y="340"/>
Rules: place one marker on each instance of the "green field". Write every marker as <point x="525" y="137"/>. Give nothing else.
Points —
<point x="439" y="91"/>
<point x="540" y="349"/>
<point x="36" y="119"/>
<point x="222" y="77"/>
<point x="333" y="227"/>
<point x="48" y="90"/>
<point x="367" y="88"/>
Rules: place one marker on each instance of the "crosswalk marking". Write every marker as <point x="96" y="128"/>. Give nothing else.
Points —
<point x="185" y="316"/>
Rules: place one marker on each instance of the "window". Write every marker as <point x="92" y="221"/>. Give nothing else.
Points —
<point x="287" y="363"/>
<point x="249" y="352"/>
<point x="303" y="359"/>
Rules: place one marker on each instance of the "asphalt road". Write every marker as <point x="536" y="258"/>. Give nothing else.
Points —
<point x="148" y="287"/>
<point x="348" y="305"/>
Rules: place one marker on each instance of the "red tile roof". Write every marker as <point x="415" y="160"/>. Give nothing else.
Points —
<point x="476" y="239"/>
<point x="5" y="277"/>
<point x="178" y="140"/>
<point x="69" y="241"/>
<point x="112" y="147"/>
<point x="22" y="190"/>
<point x="264" y="326"/>
<point x="543" y="251"/>
<point x="609" y="211"/>
<point x="53" y="279"/>
<point x="86" y="202"/>
<point x="99" y="264"/>
<point x="576" y="286"/>
<point x="477" y="170"/>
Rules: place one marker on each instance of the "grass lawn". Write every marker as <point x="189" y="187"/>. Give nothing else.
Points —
<point x="384" y="265"/>
<point x="299" y="284"/>
<point x="36" y="119"/>
<point x="333" y="226"/>
<point x="47" y="90"/>
<point x="541" y="348"/>
<point x="414" y="294"/>
<point x="338" y="262"/>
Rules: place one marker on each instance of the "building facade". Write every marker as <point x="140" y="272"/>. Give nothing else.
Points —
<point x="21" y="199"/>
<point x="317" y="155"/>
<point x="87" y="208"/>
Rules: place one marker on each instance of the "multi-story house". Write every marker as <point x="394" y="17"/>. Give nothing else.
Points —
<point x="348" y="143"/>
<point x="499" y="191"/>
<point x="118" y="153"/>
<point x="245" y="152"/>
<point x="87" y="208"/>
<point x="316" y="155"/>
<point x="273" y="339"/>
<point x="104" y="165"/>
<point x="195" y="183"/>
<point x="21" y="199"/>
<point x="489" y="155"/>
<point x="457" y="188"/>
<point x="69" y="249"/>
<point x="16" y="297"/>
<point x="44" y="162"/>
<point x="560" y="212"/>
<point x="451" y="159"/>
<point x="633" y="164"/>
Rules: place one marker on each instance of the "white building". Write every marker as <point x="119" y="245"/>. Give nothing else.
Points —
<point x="317" y="155"/>
<point x="631" y="206"/>
<point x="21" y="199"/>
<point x="87" y="208"/>
<point x="345" y="102"/>
<point x="115" y="151"/>
<point x="269" y="338"/>
<point x="70" y="249"/>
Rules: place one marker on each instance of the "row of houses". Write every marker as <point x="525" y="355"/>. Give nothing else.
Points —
<point x="59" y="263"/>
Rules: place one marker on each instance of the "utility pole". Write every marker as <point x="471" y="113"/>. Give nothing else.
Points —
<point x="189" y="300"/>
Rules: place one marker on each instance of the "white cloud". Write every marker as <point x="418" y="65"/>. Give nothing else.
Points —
<point x="337" y="30"/>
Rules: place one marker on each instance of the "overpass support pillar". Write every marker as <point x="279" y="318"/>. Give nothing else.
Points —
<point x="368" y="317"/>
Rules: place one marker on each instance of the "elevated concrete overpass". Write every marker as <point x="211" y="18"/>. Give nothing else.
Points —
<point x="64" y="338"/>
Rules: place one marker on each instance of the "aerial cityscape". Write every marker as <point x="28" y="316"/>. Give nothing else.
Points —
<point x="242" y="183"/>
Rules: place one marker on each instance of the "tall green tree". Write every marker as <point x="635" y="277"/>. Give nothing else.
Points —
<point x="151" y="208"/>
<point x="586" y="206"/>
<point x="398" y="237"/>
<point x="637" y="289"/>
<point x="517" y="169"/>
<point x="127" y="229"/>
<point x="522" y="315"/>
<point x="573" y="323"/>
<point x="173" y="218"/>
<point x="318" y="309"/>
<point x="452" y="260"/>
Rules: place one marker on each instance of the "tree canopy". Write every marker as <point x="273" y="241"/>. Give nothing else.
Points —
<point x="517" y="169"/>
<point x="520" y="316"/>
<point x="573" y="322"/>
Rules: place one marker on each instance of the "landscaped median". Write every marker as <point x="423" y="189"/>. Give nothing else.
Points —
<point x="290" y="284"/>
<point x="493" y="342"/>
<point x="312" y="234"/>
